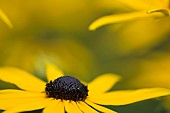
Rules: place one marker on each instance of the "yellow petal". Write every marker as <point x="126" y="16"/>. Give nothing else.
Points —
<point x="71" y="107"/>
<point x="161" y="6"/>
<point x="53" y="72"/>
<point x="128" y="96"/>
<point x="6" y="103"/>
<point x="56" y="106"/>
<point x="22" y="79"/>
<point x="103" y="83"/>
<point x="85" y="108"/>
<point x="8" y="94"/>
<point x="119" y="18"/>
<point x="9" y="91"/>
<point x="5" y="19"/>
<point x="29" y="106"/>
<point x="100" y="108"/>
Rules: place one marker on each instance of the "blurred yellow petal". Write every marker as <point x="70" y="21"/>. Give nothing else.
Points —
<point x="145" y="4"/>
<point x="163" y="11"/>
<point x="5" y="19"/>
<point x="56" y="106"/>
<point x="137" y="4"/>
<point x="147" y="31"/>
<point x="22" y="79"/>
<point x="53" y="72"/>
<point x="120" y="18"/>
<point x="128" y="97"/>
<point x="148" y="76"/>
<point x="70" y="107"/>
<point x="100" y="108"/>
<point x="160" y="3"/>
<point x="29" y="106"/>
<point x="99" y="84"/>
<point x="85" y="108"/>
<point x="115" y="18"/>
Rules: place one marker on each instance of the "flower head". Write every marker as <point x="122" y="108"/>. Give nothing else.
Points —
<point x="65" y="93"/>
<point x="67" y="88"/>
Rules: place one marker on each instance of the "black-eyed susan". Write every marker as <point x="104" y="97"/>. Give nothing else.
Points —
<point x="65" y="93"/>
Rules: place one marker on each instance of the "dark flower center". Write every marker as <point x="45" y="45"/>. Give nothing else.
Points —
<point x="66" y="88"/>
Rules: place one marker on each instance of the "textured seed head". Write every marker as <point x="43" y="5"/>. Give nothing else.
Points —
<point x="66" y="88"/>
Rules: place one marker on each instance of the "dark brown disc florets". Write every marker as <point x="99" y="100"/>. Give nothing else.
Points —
<point x="66" y="88"/>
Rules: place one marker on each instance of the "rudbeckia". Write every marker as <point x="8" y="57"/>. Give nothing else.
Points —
<point x="65" y="93"/>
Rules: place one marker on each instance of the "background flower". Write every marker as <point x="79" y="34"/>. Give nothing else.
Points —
<point x="137" y="23"/>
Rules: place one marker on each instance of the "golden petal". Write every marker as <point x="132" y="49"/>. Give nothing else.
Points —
<point x="128" y="96"/>
<point x="28" y="106"/>
<point x="100" y="108"/>
<point x="85" y="108"/>
<point x="53" y="72"/>
<point x="99" y="84"/>
<point x="71" y="107"/>
<point x="56" y="106"/>
<point x="22" y="79"/>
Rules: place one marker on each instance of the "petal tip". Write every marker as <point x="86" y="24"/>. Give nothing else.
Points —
<point x="92" y="27"/>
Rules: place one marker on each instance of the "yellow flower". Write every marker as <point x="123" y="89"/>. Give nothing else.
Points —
<point x="66" y="93"/>
<point x="5" y="19"/>
<point x="142" y="8"/>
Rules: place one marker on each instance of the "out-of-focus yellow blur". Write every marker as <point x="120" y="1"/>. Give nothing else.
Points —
<point x="154" y="72"/>
<point x="138" y="24"/>
<point x="50" y="29"/>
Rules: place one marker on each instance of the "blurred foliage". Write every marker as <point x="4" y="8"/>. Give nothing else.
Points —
<point x="57" y="31"/>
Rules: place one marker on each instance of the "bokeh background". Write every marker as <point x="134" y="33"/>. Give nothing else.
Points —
<point x="57" y="31"/>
